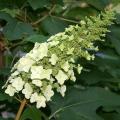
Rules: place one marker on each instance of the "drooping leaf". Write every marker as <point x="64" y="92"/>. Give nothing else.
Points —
<point x="31" y="113"/>
<point x="82" y="105"/>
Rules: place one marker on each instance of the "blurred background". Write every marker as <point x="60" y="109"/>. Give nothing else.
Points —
<point x="24" y="22"/>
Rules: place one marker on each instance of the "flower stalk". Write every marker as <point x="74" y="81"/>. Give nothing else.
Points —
<point x="20" y="110"/>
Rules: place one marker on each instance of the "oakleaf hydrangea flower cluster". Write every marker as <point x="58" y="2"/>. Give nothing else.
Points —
<point x="49" y="65"/>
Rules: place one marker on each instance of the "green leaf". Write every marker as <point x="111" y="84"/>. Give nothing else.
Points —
<point x="99" y="4"/>
<point x="52" y="25"/>
<point x="17" y="30"/>
<point x="82" y="105"/>
<point x="35" y="4"/>
<point x="80" y="13"/>
<point x="7" y="17"/>
<point x="114" y="37"/>
<point x="4" y="97"/>
<point x="31" y="113"/>
<point x="36" y="38"/>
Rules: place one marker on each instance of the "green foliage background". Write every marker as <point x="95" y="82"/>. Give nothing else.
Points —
<point x="96" y="93"/>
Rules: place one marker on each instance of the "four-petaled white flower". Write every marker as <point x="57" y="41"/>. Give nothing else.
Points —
<point x="18" y="83"/>
<point x="39" y="51"/>
<point x="61" y="77"/>
<point x="41" y="101"/>
<point x="53" y="59"/>
<point x="48" y="92"/>
<point x="65" y="66"/>
<point x="24" y="64"/>
<point x="37" y="72"/>
<point x="27" y="91"/>
<point x="10" y="90"/>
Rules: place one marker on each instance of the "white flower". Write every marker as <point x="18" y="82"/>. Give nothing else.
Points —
<point x="18" y="83"/>
<point x="62" y="90"/>
<point x="79" y="68"/>
<point x="36" y="72"/>
<point x="24" y="64"/>
<point x="72" y="76"/>
<point x="65" y="66"/>
<point x="53" y="43"/>
<point x="53" y="59"/>
<point x="27" y="91"/>
<point x="39" y="52"/>
<point x="37" y="83"/>
<point x="41" y="101"/>
<point x="61" y="77"/>
<point x="10" y="90"/>
<point x="46" y="74"/>
<point x="39" y="73"/>
<point x="34" y="97"/>
<point x="48" y="92"/>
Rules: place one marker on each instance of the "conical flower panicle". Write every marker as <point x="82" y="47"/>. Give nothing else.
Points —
<point x="49" y="65"/>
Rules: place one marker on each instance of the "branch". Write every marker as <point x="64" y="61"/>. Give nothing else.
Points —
<point x="44" y="17"/>
<point x="64" y="19"/>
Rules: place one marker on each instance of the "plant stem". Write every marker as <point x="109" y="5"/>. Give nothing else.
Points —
<point x="21" y="108"/>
